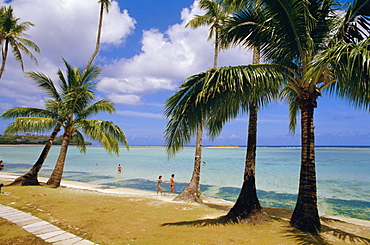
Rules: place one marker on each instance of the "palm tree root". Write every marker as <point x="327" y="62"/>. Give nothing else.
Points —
<point x="25" y="180"/>
<point x="305" y="222"/>
<point x="189" y="196"/>
<point x="255" y="217"/>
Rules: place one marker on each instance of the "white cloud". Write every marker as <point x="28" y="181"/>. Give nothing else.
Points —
<point x="68" y="29"/>
<point x="129" y="99"/>
<point x="65" y="29"/>
<point x="167" y="59"/>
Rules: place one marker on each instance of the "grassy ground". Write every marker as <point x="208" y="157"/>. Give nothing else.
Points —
<point x="124" y="219"/>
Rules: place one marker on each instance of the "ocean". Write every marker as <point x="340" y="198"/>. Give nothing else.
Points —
<point x="343" y="181"/>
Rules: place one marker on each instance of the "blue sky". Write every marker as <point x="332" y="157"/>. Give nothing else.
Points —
<point x="146" y="53"/>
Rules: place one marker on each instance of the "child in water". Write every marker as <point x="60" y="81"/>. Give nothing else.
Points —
<point x="159" y="184"/>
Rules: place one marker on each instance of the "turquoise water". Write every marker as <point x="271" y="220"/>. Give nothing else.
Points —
<point x="343" y="180"/>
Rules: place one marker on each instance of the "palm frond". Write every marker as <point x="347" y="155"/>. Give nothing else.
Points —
<point x="290" y="96"/>
<point x="45" y="83"/>
<point x="80" y="141"/>
<point x="100" y="106"/>
<point x="106" y="4"/>
<point x="355" y="24"/>
<point x="26" y="112"/>
<point x="351" y="65"/>
<point x="33" y="124"/>
<point x="107" y="133"/>
<point x="184" y="114"/>
<point x="217" y="96"/>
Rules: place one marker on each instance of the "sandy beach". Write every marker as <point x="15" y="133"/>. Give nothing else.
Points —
<point x="6" y="176"/>
<point x="337" y="230"/>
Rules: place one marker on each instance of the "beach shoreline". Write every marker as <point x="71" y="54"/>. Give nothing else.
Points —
<point x="121" y="191"/>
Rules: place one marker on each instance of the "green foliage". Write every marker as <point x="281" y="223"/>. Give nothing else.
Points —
<point x="12" y="34"/>
<point x="219" y="95"/>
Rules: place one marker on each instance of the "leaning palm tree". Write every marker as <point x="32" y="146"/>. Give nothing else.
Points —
<point x="12" y="35"/>
<point x="215" y="16"/>
<point x="312" y="47"/>
<point x="104" y="4"/>
<point x="52" y="110"/>
<point x="77" y="123"/>
<point x="72" y="114"/>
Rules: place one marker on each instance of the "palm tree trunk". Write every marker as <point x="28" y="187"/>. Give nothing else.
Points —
<point x="30" y="178"/>
<point x="97" y="46"/>
<point x="191" y="193"/>
<point x="56" y="176"/>
<point x="305" y="216"/>
<point x="247" y="208"/>
<point x="4" y="55"/>
<point x="215" y="57"/>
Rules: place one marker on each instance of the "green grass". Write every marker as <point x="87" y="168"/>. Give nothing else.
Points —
<point x="119" y="219"/>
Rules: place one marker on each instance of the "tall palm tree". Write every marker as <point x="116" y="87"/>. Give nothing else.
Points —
<point x="221" y="100"/>
<point x="313" y="47"/>
<point x="104" y="4"/>
<point x="46" y="84"/>
<point x="12" y="34"/>
<point x="215" y="16"/>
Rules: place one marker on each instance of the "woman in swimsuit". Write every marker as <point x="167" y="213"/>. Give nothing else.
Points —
<point x="159" y="184"/>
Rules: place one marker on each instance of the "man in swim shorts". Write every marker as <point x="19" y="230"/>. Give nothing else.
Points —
<point x="172" y="184"/>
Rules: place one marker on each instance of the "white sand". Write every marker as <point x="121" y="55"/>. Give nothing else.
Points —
<point x="6" y="176"/>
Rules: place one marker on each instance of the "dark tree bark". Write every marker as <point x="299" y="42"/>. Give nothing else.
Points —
<point x="305" y="216"/>
<point x="191" y="193"/>
<point x="247" y="208"/>
<point x="4" y="56"/>
<point x="56" y="176"/>
<point x="30" y="178"/>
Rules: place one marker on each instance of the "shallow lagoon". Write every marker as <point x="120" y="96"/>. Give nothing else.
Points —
<point x="343" y="180"/>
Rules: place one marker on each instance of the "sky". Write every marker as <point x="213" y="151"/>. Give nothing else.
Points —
<point x="146" y="53"/>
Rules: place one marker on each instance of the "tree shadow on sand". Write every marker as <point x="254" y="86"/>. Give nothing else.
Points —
<point x="327" y="236"/>
<point x="201" y="222"/>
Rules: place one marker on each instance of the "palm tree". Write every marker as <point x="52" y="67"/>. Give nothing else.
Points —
<point x="12" y="34"/>
<point x="72" y="115"/>
<point x="215" y="16"/>
<point x="312" y="47"/>
<point x="46" y="84"/>
<point x="104" y="4"/>
<point x="77" y="112"/>
<point x="209" y="95"/>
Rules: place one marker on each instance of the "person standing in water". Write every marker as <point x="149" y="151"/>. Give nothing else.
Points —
<point x="159" y="184"/>
<point x="119" y="168"/>
<point x="172" y="184"/>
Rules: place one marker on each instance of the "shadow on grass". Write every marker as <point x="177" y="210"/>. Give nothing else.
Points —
<point x="200" y="223"/>
<point x="299" y="237"/>
<point x="304" y="238"/>
<point x="217" y="206"/>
